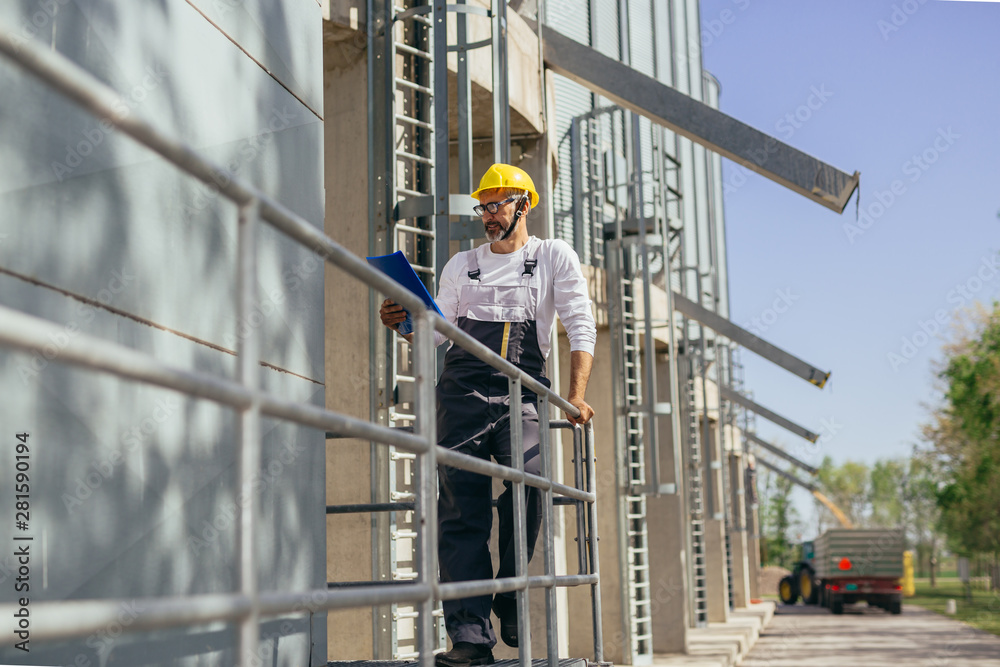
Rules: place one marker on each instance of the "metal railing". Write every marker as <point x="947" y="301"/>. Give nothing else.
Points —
<point x="245" y="607"/>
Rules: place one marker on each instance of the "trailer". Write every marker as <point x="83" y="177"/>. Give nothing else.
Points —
<point x="845" y="566"/>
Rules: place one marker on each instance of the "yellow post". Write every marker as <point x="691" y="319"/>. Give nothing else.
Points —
<point x="909" y="586"/>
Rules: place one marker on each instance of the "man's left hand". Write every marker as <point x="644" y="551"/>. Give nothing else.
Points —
<point x="586" y="412"/>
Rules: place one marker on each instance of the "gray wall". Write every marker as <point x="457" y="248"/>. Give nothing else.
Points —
<point x="133" y="487"/>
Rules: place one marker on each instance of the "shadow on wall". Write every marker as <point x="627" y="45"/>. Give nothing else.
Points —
<point x="134" y="488"/>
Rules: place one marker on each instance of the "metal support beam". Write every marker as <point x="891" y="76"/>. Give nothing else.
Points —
<point x="742" y="337"/>
<point x="501" y="100"/>
<point x="699" y="122"/>
<point x="740" y="399"/>
<point x="782" y="453"/>
<point x="787" y="475"/>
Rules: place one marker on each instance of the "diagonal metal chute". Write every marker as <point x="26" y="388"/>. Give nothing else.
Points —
<point x="740" y="399"/>
<point x="752" y="437"/>
<point x="741" y="336"/>
<point x="699" y="122"/>
<point x="787" y="475"/>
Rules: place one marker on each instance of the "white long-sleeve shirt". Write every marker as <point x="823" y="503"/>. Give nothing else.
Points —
<point x="562" y="288"/>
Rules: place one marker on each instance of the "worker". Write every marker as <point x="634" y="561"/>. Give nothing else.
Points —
<point x="506" y="294"/>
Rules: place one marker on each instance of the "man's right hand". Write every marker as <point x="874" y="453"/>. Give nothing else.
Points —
<point x="391" y="314"/>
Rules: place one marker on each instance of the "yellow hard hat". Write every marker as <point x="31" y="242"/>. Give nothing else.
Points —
<point x="507" y="176"/>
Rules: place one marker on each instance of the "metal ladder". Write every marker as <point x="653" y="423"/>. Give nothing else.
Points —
<point x="699" y="589"/>
<point x="406" y="87"/>
<point x="629" y="416"/>
<point x="724" y="377"/>
<point x="640" y="616"/>
<point x="596" y="185"/>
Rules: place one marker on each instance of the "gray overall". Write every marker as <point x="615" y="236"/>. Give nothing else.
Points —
<point x="473" y="418"/>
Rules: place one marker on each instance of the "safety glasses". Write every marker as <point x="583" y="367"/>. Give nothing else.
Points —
<point x="494" y="206"/>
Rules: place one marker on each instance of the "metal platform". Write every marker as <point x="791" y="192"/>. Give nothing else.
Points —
<point x="565" y="662"/>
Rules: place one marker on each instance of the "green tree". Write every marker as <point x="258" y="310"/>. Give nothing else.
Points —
<point x="920" y="502"/>
<point x="848" y="486"/>
<point x="965" y="434"/>
<point x="888" y="488"/>
<point x="778" y="519"/>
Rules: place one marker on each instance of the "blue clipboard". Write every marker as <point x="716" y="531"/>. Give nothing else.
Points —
<point x="396" y="267"/>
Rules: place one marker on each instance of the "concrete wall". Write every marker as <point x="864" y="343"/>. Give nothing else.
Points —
<point x="348" y="329"/>
<point x="667" y="521"/>
<point x="134" y="488"/>
<point x="738" y="532"/>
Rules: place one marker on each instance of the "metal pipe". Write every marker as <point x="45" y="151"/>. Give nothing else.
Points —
<point x="248" y="455"/>
<point x="787" y="475"/>
<point x="581" y="512"/>
<point x="361" y="508"/>
<point x="463" y="95"/>
<point x="672" y="360"/>
<point x="465" y="462"/>
<point x="520" y="535"/>
<point x="29" y="333"/>
<point x="501" y="108"/>
<point x="595" y="563"/>
<point x="548" y="532"/>
<point x="67" y="619"/>
<point x="32" y="334"/>
<point x="707" y="448"/>
<point x="752" y="437"/>
<point x="457" y="590"/>
<point x="425" y="368"/>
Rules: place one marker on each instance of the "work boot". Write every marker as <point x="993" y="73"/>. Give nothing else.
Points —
<point x="506" y="610"/>
<point x="464" y="654"/>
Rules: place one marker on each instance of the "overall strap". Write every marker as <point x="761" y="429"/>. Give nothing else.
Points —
<point x="530" y="262"/>
<point x="473" y="265"/>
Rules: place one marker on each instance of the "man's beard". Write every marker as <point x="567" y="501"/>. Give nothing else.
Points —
<point x="498" y="235"/>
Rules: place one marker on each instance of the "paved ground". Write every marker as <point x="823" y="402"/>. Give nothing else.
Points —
<point x="721" y="644"/>
<point x="809" y="636"/>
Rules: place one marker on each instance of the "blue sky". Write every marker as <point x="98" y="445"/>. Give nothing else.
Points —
<point x="907" y="93"/>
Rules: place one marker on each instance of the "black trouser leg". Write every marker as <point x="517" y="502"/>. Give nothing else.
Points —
<point x="533" y="504"/>
<point x="465" y="518"/>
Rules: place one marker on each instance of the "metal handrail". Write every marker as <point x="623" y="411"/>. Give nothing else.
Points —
<point x="61" y="620"/>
